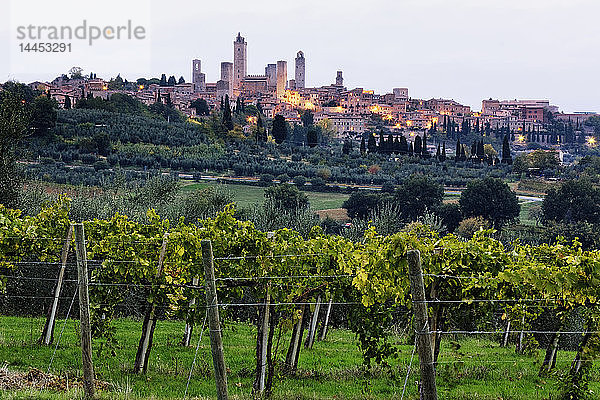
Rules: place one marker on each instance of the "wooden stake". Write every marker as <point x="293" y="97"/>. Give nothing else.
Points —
<point x="48" y="332"/>
<point x="417" y="288"/>
<point x="189" y="323"/>
<point x="214" y="325"/>
<point x="291" y="359"/>
<point x="521" y="335"/>
<point x="264" y="343"/>
<point x="326" y="324"/>
<point x="310" y="339"/>
<point x="84" y="312"/>
<point x="145" y="345"/>
<point x="506" y="334"/>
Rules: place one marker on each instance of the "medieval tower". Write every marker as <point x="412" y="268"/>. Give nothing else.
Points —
<point x="300" y="68"/>
<point x="281" y="78"/>
<point x="198" y="78"/>
<point x="339" y="79"/>
<point x="240" y="65"/>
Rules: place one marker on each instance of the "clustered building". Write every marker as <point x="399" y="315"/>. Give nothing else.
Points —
<point x="350" y="111"/>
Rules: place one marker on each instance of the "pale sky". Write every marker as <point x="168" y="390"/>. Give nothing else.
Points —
<point x="466" y="50"/>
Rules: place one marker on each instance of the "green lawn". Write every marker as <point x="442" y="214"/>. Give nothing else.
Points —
<point x="479" y="369"/>
<point x="248" y="196"/>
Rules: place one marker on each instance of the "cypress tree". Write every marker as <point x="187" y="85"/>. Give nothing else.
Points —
<point x="382" y="145"/>
<point x="458" y="147"/>
<point x="390" y="144"/>
<point x="67" y="103"/>
<point x="437" y="153"/>
<point x="403" y="145"/>
<point x="261" y="135"/>
<point x="410" y="149"/>
<point x="506" y="157"/>
<point x="424" y="151"/>
<point x="443" y="156"/>
<point x="279" y="129"/>
<point x="480" y="150"/>
<point x="418" y="146"/>
<point x="371" y="144"/>
<point x="363" y="147"/>
<point x="227" y="121"/>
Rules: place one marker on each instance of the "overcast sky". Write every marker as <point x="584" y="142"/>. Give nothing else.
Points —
<point x="467" y="50"/>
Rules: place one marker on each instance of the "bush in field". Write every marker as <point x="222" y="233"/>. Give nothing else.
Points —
<point x="491" y="199"/>
<point x="360" y="204"/>
<point x="469" y="226"/>
<point x="573" y="201"/>
<point x="299" y="180"/>
<point x="286" y="197"/>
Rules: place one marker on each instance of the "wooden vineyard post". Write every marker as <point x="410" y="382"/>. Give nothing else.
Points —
<point x="264" y="343"/>
<point x="48" y="332"/>
<point x="291" y="360"/>
<point x="417" y="288"/>
<point x="310" y="339"/>
<point x="189" y="323"/>
<point x="521" y="334"/>
<point x="84" y="312"/>
<point x="143" y="352"/>
<point x="506" y="334"/>
<point x="214" y="325"/>
<point x="326" y="324"/>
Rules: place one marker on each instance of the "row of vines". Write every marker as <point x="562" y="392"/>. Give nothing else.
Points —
<point x="371" y="275"/>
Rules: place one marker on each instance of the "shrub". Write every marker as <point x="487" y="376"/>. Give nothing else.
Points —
<point x="299" y="180"/>
<point x="468" y="226"/>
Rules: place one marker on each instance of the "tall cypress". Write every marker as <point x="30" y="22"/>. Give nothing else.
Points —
<point x="418" y="146"/>
<point x="372" y="144"/>
<point x="403" y="145"/>
<point x="480" y="150"/>
<point x="458" y="147"/>
<point x="227" y="121"/>
<point x="506" y="157"/>
<point x="424" y="151"/>
<point x="363" y="147"/>
<point x="382" y="145"/>
<point x="390" y="144"/>
<point x="443" y="156"/>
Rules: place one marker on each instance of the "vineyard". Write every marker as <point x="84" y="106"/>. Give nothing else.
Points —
<point x="280" y="309"/>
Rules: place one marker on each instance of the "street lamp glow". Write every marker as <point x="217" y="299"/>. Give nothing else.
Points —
<point x="591" y="141"/>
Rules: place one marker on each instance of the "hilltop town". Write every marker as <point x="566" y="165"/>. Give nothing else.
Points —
<point x="350" y="112"/>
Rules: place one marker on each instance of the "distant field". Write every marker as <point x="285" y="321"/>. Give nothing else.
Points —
<point x="248" y="196"/>
<point x="524" y="216"/>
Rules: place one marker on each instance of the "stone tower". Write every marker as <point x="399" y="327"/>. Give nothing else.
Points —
<point x="281" y="78"/>
<point x="239" y="61"/>
<point x="198" y="78"/>
<point x="227" y="76"/>
<point x="339" y="80"/>
<point x="300" y="65"/>
<point x="271" y="74"/>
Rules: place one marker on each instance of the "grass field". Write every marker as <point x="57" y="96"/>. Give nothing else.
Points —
<point x="249" y="196"/>
<point x="479" y="369"/>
